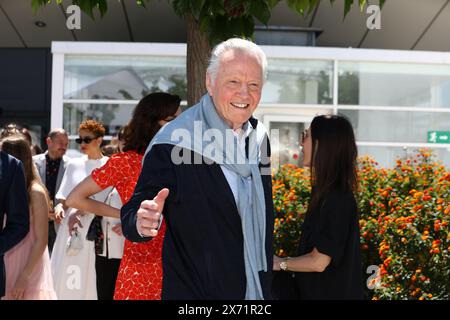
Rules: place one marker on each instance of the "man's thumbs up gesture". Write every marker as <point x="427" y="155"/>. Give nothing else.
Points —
<point x="149" y="215"/>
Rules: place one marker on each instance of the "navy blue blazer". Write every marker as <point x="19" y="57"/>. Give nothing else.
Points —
<point x="13" y="204"/>
<point x="202" y="254"/>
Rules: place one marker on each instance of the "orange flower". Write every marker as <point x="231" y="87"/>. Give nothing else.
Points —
<point x="418" y="195"/>
<point x="387" y="261"/>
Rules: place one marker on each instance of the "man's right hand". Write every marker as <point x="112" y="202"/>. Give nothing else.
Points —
<point x="149" y="214"/>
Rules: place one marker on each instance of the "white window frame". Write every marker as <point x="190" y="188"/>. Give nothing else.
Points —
<point x="60" y="49"/>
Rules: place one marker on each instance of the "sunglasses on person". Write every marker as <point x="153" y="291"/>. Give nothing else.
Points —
<point x="86" y="140"/>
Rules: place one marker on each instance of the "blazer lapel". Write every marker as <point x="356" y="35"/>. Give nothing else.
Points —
<point x="41" y="168"/>
<point x="61" y="170"/>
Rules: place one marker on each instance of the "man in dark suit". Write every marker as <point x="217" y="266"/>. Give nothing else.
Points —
<point x="213" y="189"/>
<point x="13" y="204"/>
<point x="51" y="166"/>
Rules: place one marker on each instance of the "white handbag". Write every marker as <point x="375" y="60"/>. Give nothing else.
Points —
<point x="74" y="243"/>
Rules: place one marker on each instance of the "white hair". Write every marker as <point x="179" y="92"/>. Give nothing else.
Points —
<point x="240" y="45"/>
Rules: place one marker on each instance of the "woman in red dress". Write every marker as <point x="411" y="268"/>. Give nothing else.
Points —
<point x="140" y="272"/>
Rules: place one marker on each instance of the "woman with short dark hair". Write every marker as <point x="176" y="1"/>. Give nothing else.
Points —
<point x="328" y="265"/>
<point x="66" y="264"/>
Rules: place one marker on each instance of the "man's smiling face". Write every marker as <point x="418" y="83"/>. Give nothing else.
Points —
<point x="236" y="89"/>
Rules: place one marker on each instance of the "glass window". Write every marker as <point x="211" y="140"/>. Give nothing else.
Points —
<point x="389" y="84"/>
<point x="299" y="81"/>
<point x="123" y="77"/>
<point x="387" y="156"/>
<point x="113" y="116"/>
<point x="396" y="126"/>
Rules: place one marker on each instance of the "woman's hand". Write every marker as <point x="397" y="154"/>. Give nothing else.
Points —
<point x="74" y="219"/>
<point x="276" y="263"/>
<point x="18" y="292"/>
<point x="59" y="213"/>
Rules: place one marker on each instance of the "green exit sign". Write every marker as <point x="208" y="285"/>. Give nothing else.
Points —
<point x="438" y="136"/>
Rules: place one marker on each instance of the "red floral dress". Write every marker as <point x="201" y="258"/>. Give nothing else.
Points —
<point x="140" y="272"/>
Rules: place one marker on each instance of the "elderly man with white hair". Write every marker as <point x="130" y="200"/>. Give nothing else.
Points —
<point x="207" y="173"/>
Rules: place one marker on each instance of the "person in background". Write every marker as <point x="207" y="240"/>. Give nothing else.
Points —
<point x="13" y="128"/>
<point x="328" y="265"/>
<point x="74" y="221"/>
<point x="35" y="149"/>
<point x="140" y="273"/>
<point x="13" y="208"/>
<point x="109" y="149"/>
<point x="51" y="166"/>
<point x="118" y="139"/>
<point x="28" y="274"/>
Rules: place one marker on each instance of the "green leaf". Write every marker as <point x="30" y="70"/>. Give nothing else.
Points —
<point x="362" y="3"/>
<point x="196" y="6"/>
<point x="260" y="10"/>
<point x="102" y="6"/>
<point x="36" y="4"/>
<point x="216" y="7"/>
<point x="141" y="3"/>
<point x="180" y="7"/>
<point x="300" y="6"/>
<point x="87" y="6"/>
<point x="382" y="3"/>
<point x="222" y="28"/>
<point x="348" y="6"/>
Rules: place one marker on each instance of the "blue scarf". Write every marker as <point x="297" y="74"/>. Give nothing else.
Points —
<point x="203" y="131"/>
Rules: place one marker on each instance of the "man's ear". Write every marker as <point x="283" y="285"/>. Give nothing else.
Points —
<point x="208" y="83"/>
<point x="48" y="140"/>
